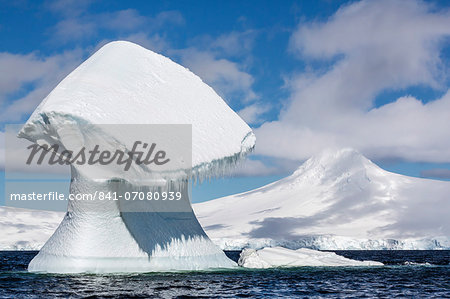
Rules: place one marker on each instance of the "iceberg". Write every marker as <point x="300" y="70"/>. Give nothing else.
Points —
<point x="123" y="85"/>
<point x="271" y="257"/>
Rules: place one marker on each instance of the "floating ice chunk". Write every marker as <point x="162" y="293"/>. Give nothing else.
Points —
<point x="303" y="257"/>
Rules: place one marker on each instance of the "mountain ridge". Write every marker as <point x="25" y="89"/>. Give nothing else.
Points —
<point x="334" y="195"/>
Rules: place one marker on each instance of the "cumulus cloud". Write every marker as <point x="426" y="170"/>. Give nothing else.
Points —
<point x="167" y="17"/>
<point x="234" y="43"/>
<point x="221" y="63"/>
<point x="254" y="168"/>
<point x="83" y="25"/>
<point x="226" y="76"/>
<point x="265" y="167"/>
<point x="68" y="8"/>
<point x="368" y="47"/>
<point x="32" y="75"/>
<point x="253" y="114"/>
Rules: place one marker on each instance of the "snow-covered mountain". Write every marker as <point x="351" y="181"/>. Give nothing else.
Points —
<point x="335" y="200"/>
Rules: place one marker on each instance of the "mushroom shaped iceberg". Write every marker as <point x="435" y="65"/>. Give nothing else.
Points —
<point x="122" y="94"/>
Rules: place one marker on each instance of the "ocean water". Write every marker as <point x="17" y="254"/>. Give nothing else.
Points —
<point x="406" y="274"/>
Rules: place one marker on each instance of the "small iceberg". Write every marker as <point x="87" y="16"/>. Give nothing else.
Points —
<point x="271" y="257"/>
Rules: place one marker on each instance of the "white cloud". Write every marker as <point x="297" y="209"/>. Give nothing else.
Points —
<point x="373" y="46"/>
<point x="21" y="69"/>
<point x="73" y="29"/>
<point x="68" y="8"/>
<point x="256" y="165"/>
<point x="82" y="26"/>
<point x="121" y="20"/>
<point x="234" y="43"/>
<point x="167" y="17"/>
<point x="43" y="73"/>
<point x="252" y="114"/>
<point x="223" y="63"/>
<point x="224" y="75"/>
<point x="254" y="168"/>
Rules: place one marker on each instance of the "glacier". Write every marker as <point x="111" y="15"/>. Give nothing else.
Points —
<point x="336" y="200"/>
<point x="126" y="84"/>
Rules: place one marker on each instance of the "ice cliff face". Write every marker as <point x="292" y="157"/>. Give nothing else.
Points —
<point x="125" y="84"/>
<point x="335" y="200"/>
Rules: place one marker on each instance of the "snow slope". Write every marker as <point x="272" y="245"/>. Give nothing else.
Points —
<point x="125" y="84"/>
<point x="335" y="200"/>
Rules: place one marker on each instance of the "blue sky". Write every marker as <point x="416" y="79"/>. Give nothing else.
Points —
<point x="306" y="75"/>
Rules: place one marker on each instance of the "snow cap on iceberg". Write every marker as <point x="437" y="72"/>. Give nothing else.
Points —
<point x="124" y="83"/>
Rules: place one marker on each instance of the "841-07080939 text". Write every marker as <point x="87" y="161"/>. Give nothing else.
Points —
<point x="98" y="195"/>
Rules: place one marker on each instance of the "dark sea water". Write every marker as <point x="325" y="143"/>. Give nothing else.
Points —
<point x="406" y="274"/>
